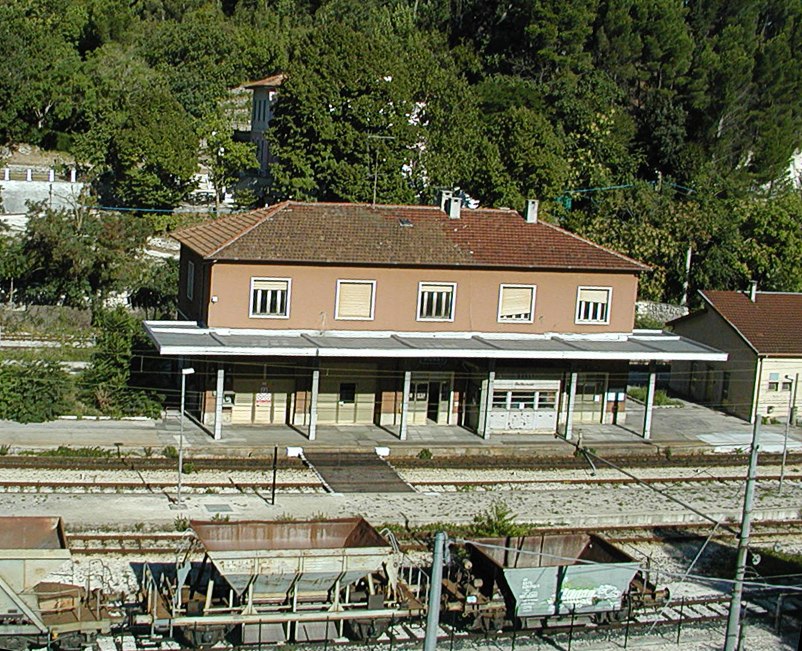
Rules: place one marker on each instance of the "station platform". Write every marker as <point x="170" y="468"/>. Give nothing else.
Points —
<point x="689" y="429"/>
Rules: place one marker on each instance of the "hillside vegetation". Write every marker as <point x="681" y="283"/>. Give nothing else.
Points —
<point x="653" y="127"/>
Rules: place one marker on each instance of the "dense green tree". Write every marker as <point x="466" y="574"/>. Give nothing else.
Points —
<point x="361" y="114"/>
<point x="105" y="383"/>
<point x="40" y="76"/>
<point x="33" y="391"/>
<point x="771" y="229"/>
<point x="225" y="158"/>
<point x="78" y="257"/>
<point x="140" y="143"/>
<point x="599" y="130"/>
<point x="151" y="158"/>
<point x="533" y="154"/>
<point x="744" y="87"/>
<point x="155" y="290"/>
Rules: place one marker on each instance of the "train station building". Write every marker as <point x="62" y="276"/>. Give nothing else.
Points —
<point x="308" y="314"/>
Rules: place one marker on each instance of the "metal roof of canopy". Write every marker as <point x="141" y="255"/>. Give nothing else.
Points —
<point x="188" y="338"/>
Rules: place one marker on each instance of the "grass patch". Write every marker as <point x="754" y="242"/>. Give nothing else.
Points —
<point x="661" y="398"/>
<point x="64" y="451"/>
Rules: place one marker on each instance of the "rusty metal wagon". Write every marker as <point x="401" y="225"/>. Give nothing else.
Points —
<point x="270" y="582"/>
<point x="34" y="612"/>
<point x="535" y="581"/>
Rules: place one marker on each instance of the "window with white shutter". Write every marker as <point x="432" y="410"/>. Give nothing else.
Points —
<point x="593" y="305"/>
<point x="270" y="297"/>
<point x="516" y="303"/>
<point x="355" y="299"/>
<point x="436" y="301"/>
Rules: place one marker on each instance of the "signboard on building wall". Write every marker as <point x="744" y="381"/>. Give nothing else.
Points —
<point x="264" y="397"/>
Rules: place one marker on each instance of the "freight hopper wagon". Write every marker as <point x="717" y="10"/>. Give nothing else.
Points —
<point x="38" y="613"/>
<point x="536" y="581"/>
<point x="271" y="582"/>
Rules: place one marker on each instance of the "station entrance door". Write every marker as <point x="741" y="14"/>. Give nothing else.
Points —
<point x="430" y="398"/>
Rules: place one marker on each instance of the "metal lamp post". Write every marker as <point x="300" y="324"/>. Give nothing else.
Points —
<point x="184" y="372"/>
<point x="788" y="420"/>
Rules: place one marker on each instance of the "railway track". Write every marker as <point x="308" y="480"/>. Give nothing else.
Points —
<point x="161" y="542"/>
<point x="231" y="486"/>
<point x="107" y="460"/>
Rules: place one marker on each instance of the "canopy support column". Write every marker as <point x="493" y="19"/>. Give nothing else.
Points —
<point x="402" y="431"/>
<point x="218" y="405"/>
<point x="647" y="416"/>
<point x="487" y="401"/>
<point x="313" y="404"/>
<point x="569" y="415"/>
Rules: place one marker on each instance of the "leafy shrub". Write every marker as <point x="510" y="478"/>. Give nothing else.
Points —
<point x="64" y="451"/>
<point x="498" y="520"/>
<point x="170" y="452"/>
<point x="661" y="398"/>
<point x="425" y="454"/>
<point x="106" y="382"/>
<point x="34" y="391"/>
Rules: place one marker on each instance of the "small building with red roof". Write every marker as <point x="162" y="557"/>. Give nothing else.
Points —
<point x="309" y="314"/>
<point x="762" y="333"/>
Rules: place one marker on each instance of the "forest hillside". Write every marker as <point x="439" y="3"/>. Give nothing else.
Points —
<point x="657" y="128"/>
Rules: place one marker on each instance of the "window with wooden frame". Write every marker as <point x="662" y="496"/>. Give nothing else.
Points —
<point x="190" y="289"/>
<point x="436" y="301"/>
<point x="593" y="305"/>
<point x="270" y="298"/>
<point x="516" y="303"/>
<point x="355" y="300"/>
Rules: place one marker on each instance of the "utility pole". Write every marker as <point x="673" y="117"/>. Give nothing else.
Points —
<point x="734" y="619"/>
<point x="790" y="419"/>
<point x="435" y="584"/>
<point x="686" y="281"/>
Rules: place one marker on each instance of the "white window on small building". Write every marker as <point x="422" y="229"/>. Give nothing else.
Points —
<point x="190" y="289"/>
<point x="774" y="381"/>
<point x="436" y="301"/>
<point x="270" y="297"/>
<point x="355" y="300"/>
<point x="516" y="303"/>
<point x="593" y="305"/>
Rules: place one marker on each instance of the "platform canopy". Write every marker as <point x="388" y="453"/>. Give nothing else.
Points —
<point x="188" y="338"/>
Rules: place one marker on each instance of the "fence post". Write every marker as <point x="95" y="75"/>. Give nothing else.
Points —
<point x="629" y="619"/>
<point x="681" y="615"/>
<point x="778" y="614"/>
<point x="571" y="629"/>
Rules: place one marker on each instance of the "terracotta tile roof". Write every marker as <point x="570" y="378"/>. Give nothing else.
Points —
<point x="771" y="325"/>
<point x="273" y="81"/>
<point x="397" y="235"/>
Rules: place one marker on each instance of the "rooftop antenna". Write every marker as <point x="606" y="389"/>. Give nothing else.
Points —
<point x="376" y="164"/>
